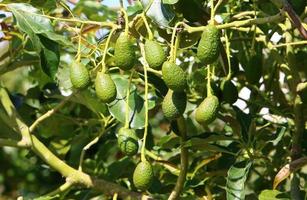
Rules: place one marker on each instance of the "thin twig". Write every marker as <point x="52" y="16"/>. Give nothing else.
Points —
<point x="49" y="113"/>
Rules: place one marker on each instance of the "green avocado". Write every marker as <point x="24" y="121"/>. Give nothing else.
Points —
<point x="105" y="87"/>
<point x="143" y="175"/>
<point x="253" y="69"/>
<point x="79" y="75"/>
<point x="174" y="76"/>
<point x="208" y="49"/>
<point x="154" y="54"/>
<point x="229" y="92"/>
<point x="174" y="104"/>
<point x="206" y="112"/>
<point x="124" y="54"/>
<point x="128" y="141"/>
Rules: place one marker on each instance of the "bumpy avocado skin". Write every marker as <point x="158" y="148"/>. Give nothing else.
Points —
<point x="105" y="87"/>
<point x="253" y="69"/>
<point x="229" y="92"/>
<point x="207" y="110"/>
<point x="208" y="48"/>
<point x="128" y="141"/>
<point x="174" y="76"/>
<point x="79" y="75"/>
<point x="124" y="54"/>
<point x="174" y="104"/>
<point x="143" y="175"/>
<point x="154" y="54"/>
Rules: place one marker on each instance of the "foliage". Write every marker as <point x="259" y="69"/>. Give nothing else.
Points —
<point x="60" y="140"/>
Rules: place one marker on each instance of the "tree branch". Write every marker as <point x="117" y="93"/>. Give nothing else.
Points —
<point x="14" y="117"/>
<point x="12" y="143"/>
<point x="184" y="161"/>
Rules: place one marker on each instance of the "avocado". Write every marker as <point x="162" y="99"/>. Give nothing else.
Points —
<point x="143" y="175"/>
<point x="154" y="54"/>
<point x="128" y="141"/>
<point x="174" y="104"/>
<point x="105" y="87"/>
<point x="208" y="49"/>
<point x="206" y="112"/>
<point x="124" y="53"/>
<point x="229" y="92"/>
<point x="174" y="76"/>
<point x="79" y="75"/>
<point x="253" y="69"/>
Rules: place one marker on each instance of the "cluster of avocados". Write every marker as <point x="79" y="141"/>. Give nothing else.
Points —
<point x="175" y="78"/>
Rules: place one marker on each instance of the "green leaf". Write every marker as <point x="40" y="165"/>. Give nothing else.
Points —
<point x="236" y="177"/>
<point x="46" y="5"/>
<point x="170" y="1"/>
<point x="244" y="120"/>
<point x="136" y="103"/>
<point x="89" y="99"/>
<point x="32" y="22"/>
<point x="29" y="22"/>
<point x="94" y="10"/>
<point x="50" y="56"/>
<point x="272" y="195"/>
<point x="160" y="13"/>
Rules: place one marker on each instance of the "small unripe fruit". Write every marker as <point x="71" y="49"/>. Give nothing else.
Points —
<point x="143" y="175"/>
<point x="154" y="54"/>
<point x="229" y="92"/>
<point x="208" y="49"/>
<point x="174" y="76"/>
<point x="207" y="110"/>
<point x="128" y="141"/>
<point x="105" y="87"/>
<point x="174" y="104"/>
<point x="124" y="54"/>
<point x="79" y="75"/>
<point x="253" y="70"/>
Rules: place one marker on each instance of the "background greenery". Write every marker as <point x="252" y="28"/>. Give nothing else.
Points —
<point x="237" y="157"/>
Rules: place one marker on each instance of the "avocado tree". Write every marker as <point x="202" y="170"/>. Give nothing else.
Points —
<point x="153" y="99"/>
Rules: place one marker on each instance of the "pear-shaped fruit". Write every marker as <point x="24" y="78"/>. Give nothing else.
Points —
<point x="208" y="48"/>
<point x="79" y="75"/>
<point x="229" y="92"/>
<point x="207" y="110"/>
<point x="128" y="141"/>
<point x="174" y="76"/>
<point x="154" y="54"/>
<point x="105" y="87"/>
<point x="174" y="104"/>
<point x="143" y="175"/>
<point x="253" y="69"/>
<point x="124" y="54"/>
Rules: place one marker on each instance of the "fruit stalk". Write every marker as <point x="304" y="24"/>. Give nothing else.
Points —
<point x="126" y="21"/>
<point x="145" y="65"/>
<point x="209" y="90"/>
<point x="183" y="162"/>
<point x="127" y="114"/>
<point x="149" y="32"/>
<point x="106" y="50"/>
<point x="172" y="56"/>
<point x="79" y="45"/>
<point x="228" y="56"/>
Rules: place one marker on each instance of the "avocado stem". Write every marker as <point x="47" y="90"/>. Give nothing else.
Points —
<point x="173" y="45"/>
<point x="126" y="21"/>
<point x="149" y="32"/>
<point x="79" y="45"/>
<point x="145" y="66"/>
<point x="103" y="60"/>
<point x="228" y="56"/>
<point x="127" y="114"/>
<point x="209" y="93"/>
